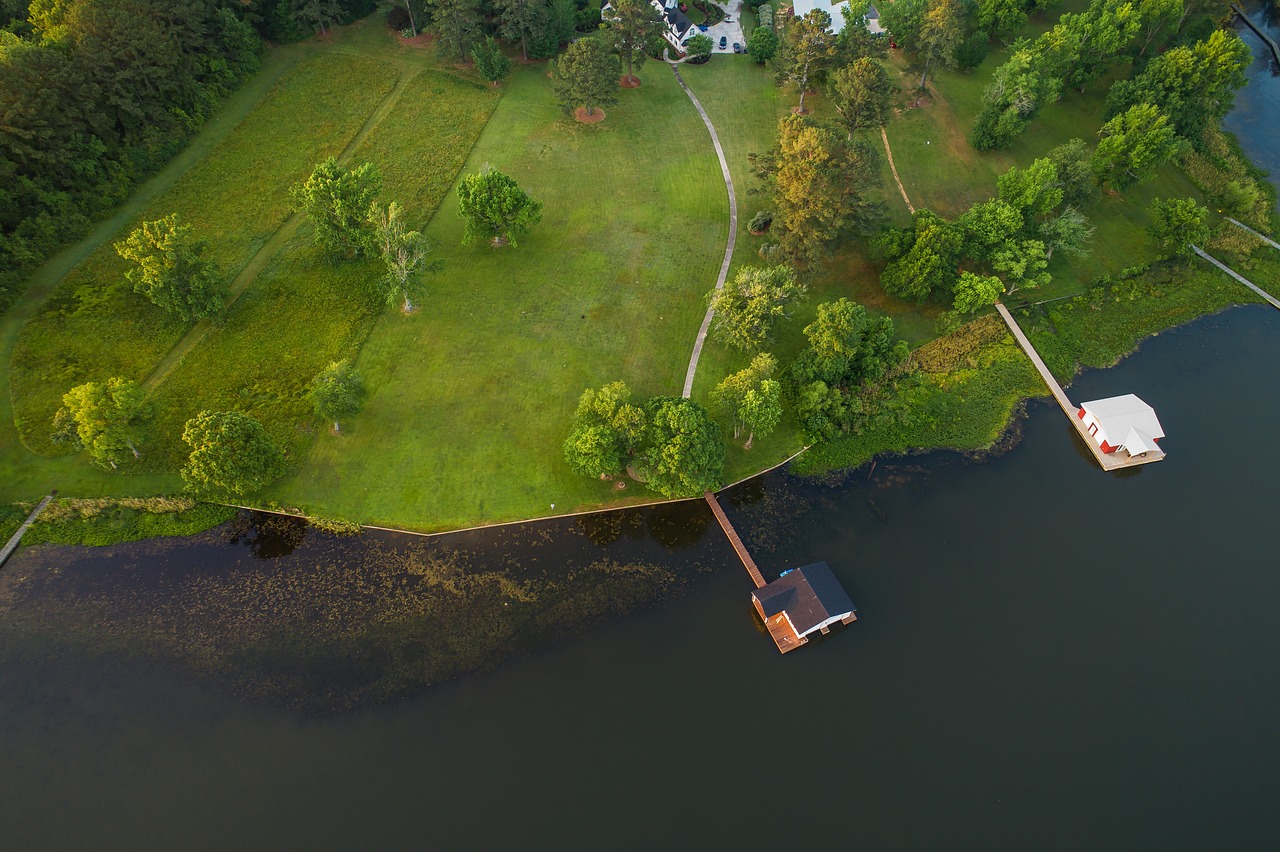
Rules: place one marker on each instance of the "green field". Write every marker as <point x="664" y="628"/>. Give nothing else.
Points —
<point x="471" y="396"/>
<point x="94" y="326"/>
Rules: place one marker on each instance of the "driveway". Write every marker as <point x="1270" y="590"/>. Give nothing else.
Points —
<point x="732" y="32"/>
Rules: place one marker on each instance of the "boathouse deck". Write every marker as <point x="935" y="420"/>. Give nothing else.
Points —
<point x="1107" y="461"/>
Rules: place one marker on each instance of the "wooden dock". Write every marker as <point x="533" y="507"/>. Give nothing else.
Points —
<point x="732" y="535"/>
<point x="1236" y="275"/>
<point x="22" y="530"/>
<point x="1107" y="461"/>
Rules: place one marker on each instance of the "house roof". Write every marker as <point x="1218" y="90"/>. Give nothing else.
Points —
<point x="833" y="8"/>
<point x="809" y="596"/>
<point x="677" y="19"/>
<point x="1118" y="415"/>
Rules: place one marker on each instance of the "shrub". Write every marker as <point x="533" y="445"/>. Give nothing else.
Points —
<point x="398" y="18"/>
<point x="761" y="222"/>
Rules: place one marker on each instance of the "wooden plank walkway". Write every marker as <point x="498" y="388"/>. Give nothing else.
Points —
<point x="1107" y="461"/>
<point x="1236" y="275"/>
<point x="732" y="535"/>
<point x="22" y="530"/>
<point x="1263" y="237"/>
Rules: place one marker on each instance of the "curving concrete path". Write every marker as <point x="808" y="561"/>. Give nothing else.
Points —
<point x="733" y="232"/>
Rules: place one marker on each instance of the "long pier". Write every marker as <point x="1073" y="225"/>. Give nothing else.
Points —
<point x="22" y="530"/>
<point x="1275" y="303"/>
<point x="1275" y="49"/>
<point x="1107" y="461"/>
<point x="732" y="535"/>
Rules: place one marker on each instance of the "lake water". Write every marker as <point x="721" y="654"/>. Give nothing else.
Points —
<point x="1047" y="657"/>
<point x="1256" y="119"/>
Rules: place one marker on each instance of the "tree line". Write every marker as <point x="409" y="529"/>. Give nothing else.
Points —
<point x="94" y="96"/>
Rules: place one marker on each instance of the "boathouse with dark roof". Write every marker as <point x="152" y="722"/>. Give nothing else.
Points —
<point x="801" y="602"/>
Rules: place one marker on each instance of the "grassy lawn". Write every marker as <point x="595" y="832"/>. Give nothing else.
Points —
<point x="305" y="311"/>
<point x="473" y="395"/>
<point x="94" y="326"/>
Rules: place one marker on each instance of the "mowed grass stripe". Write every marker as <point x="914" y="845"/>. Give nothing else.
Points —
<point x="94" y="326"/>
<point x="305" y="311"/>
<point x="472" y="396"/>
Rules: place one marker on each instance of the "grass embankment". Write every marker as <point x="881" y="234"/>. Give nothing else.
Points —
<point x="112" y="521"/>
<point x="305" y="311"/>
<point x="472" y="396"/>
<point x="94" y="326"/>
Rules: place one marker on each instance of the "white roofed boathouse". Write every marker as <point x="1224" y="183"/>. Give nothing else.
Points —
<point x="1122" y="424"/>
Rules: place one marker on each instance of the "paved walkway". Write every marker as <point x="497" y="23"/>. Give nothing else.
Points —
<point x="1236" y="275"/>
<point x="22" y="530"/>
<point x="733" y="233"/>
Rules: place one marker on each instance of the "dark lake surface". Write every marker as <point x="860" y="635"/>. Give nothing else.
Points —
<point x="1047" y="657"/>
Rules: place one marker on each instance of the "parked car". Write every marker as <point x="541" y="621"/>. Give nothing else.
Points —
<point x="737" y="48"/>
<point x="724" y="42"/>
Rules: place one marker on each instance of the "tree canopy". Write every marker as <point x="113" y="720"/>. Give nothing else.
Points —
<point x="104" y="419"/>
<point x="751" y="398"/>
<point x="495" y="209"/>
<point x="230" y="452"/>
<point x="1177" y="224"/>
<point x="685" y="456"/>
<point x="1134" y="145"/>
<point x="491" y="63"/>
<point x="337" y="392"/>
<point x="634" y="26"/>
<point x="746" y="309"/>
<point x="403" y="251"/>
<point x="172" y="270"/>
<point x="607" y="431"/>
<point x="586" y="77"/>
<point x="808" y="48"/>
<point x="337" y="201"/>
<point x="862" y="92"/>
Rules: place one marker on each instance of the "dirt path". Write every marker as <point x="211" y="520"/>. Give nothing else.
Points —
<point x="733" y="233"/>
<point x="259" y="261"/>
<point x="888" y="152"/>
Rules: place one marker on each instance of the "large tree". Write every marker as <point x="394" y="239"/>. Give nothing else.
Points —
<point x="337" y="392"/>
<point x="523" y="20"/>
<point x="928" y="267"/>
<point x="402" y="250"/>
<point x="1071" y="163"/>
<point x="819" y="181"/>
<point x="1194" y="86"/>
<point x="586" y="77"/>
<point x="863" y="94"/>
<point x="317" y="15"/>
<point x="746" y="309"/>
<point x="495" y="209"/>
<point x="337" y="201"/>
<point x="808" y="47"/>
<point x="941" y="32"/>
<point x="607" y="430"/>
<point x="685" y="456"/>
<point x="1177" y="224"/>
<point x="751" y="398"/>
<point x="104" y="419"/>
<point x="1134" y="145"/>
<point x="973" y="292"/>
<point x="633" y="26"/>
<point x="457" y="24"/>
<point x="172" y="269"/>
<point x="230" y="452"/>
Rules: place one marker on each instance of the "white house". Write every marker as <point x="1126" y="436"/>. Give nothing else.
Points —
<point x="679" y="29"/>
<point x="836" y="11"/>
<point x="1122" y="423"/>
